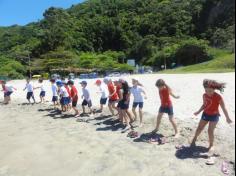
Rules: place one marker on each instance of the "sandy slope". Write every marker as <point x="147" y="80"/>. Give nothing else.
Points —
<point x="35" y="141"/>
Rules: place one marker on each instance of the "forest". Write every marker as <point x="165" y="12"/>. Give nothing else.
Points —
<point x="103" y="34"/>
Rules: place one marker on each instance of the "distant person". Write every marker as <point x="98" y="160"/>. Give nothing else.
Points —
<point x="104" y="94"/>
<point x="63" y="96"/>
<point x="42" y="90"/>
<point x="139" y="94"/>
<point x="8" y="90"/>
<point x="54" y="93"/>
<point x="30" y="91"/>
<point x="113" y="96"/>
<point x="74" y="97"/>
<point x="210" y="108"/>
<point x="166" y="105"/>
<point x="69" y="105"/>
<point x="86" y="98"/>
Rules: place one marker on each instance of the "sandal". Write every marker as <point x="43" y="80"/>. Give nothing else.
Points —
<point x="225" y="168"/>
<point x="211" y="161"/>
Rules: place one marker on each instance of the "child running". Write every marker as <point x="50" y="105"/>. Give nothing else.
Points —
<point x="54" y="93"/>
<point x="166" y="105"/>
<point x="104" y="94"/>
<point x="30" y="91"/>
<point x="75" y="97"/>
<point x="43" y="91"/>
<point x="211" y="102"/>
<point x="113" y="96"/>
<point x="86" y="97"/>
<point x="138" y="93"/>
<point x="8" y="90"/>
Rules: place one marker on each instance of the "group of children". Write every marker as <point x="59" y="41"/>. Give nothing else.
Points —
<point x="117" y="93"/>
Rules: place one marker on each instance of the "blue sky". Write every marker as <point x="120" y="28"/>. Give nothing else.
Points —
<point x="22" y="12"/>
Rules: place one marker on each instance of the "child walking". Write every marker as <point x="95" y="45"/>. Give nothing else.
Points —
<point x="86" y="97"/>
<point x="63" y="96"/>
<point x="30" y="91"/>
<point x="8" y="90"/>
<point x="166" y="105"/>
<point x="210" y="108"/>
<point x="104" y="94"/>
<point x="54" y="93"/>
<point x="74" y="97"/>
<point x="42" y="92"/>
<point x="113" y="96"/>
<point x="138" y="92"/>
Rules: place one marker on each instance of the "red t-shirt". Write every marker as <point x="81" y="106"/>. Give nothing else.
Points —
<point x="74" y="93"/>
<point x="68" y="91"/>
<point x="212" y="104"/>
<point x="165" y="97"/>
<point x="112" y="89"/>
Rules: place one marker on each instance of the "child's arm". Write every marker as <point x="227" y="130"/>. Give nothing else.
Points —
<point x="222" y="104"/>
<point x="173" y="95"/>
<point x="200" y="110"/>
<point x="144" y="93"/>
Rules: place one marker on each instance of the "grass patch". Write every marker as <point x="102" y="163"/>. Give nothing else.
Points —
<point x="223" y="62"/>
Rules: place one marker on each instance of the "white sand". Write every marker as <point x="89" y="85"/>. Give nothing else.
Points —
<point x="34" y="144"/>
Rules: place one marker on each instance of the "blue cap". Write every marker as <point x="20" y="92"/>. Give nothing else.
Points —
<point x="84" y="82"/>
<point x="59" y="83"/>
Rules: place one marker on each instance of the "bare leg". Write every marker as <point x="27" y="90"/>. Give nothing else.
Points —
<point x="172" y="121"/>
<point x="200" y="128"/>
<point x="129" y="116"/>
<point x="141" y="116"/>
<point x="124" y="114"/>
<point x="135" y="114"/>
<point x="83" y="109"/>
<point x="111" y="109"/>
<point x="159" y="117"/>
<point x="211" y="130"/>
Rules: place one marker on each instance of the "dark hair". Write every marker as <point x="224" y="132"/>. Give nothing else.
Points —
<point x="52" y="80"/>
<point x="161" y="83"/>
<point x="40" y="80"/>
<point x="70" y="83"/>
<point x="126" y="90"/>
<point x="207" y="83"/>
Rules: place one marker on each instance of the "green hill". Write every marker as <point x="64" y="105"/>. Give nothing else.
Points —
<point x="103" y="34"/>
<point x="222" y="63"/>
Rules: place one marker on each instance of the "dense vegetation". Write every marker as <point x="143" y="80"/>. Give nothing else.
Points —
<point x="103" y="34"/>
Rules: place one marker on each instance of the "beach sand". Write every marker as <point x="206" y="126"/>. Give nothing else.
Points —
<point x="37" y="141"/>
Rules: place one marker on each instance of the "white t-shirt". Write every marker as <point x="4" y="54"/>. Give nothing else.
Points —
<point x="63" y="92"/>
<point x="41" y="85"/>
<point x="104" y="91"/>
<point x="54" y="90"/>
<point x="137" y="93"/>
<point x="29" y="87"/>
<point x="86" y="94"/>
<point x="9" y="88"/>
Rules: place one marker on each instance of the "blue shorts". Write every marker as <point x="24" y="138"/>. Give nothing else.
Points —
<point x="167" y="110"/>
<point x="123" y="105"/>
<point x="103" y="101"/>
<point x="87" y="103"/>
<point x="42" y="94"/>
<point x="29" y="95"/>
<point x="54" y="98"/>
<point x="64" y="101"/>
<point x="136" y="104"/>
<point x="7" y="94"/>
<point x="210" y="118"/>
<point x="69" y="100"/>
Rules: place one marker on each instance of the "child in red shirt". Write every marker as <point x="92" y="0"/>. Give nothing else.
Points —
<point x="210" y="108"/>
<point x="74" y="97"/>
<point x="166" y="105"/>
<point x="113" y="95"/>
